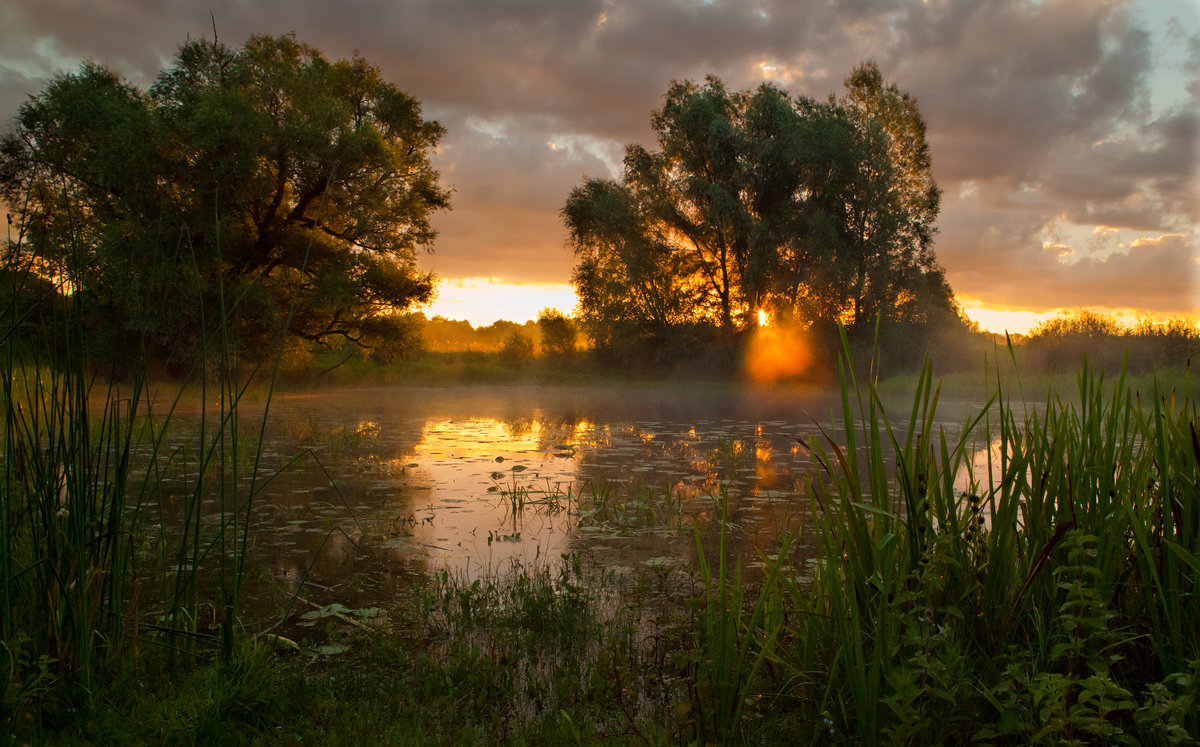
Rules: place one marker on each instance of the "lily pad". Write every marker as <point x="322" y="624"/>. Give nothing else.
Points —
<point x="328" y="610"/>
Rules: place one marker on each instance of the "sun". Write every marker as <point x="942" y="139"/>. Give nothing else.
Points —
<point x="776" y="353"/>
<point x="763" y="319"/>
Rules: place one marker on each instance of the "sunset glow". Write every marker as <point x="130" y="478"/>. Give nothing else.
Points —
<point x="1000" y="320"/>
<point x="1060" y="208"/>
<point x="483" y="301"/>
<point x="776" y="353"/>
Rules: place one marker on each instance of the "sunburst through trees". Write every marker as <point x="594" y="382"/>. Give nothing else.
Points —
<point x="814" y="212"/>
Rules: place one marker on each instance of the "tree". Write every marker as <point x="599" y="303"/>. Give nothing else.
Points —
<point x="517" y="348"/>
<point x="630" y="281"/>
<point x="892" y="206"/>
<point x="248" y="189"/>
<point x="557" y="332"/>
<point x="757" y="200"/>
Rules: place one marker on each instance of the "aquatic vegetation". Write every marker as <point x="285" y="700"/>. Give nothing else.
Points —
<point x="547" y="499"/>
<point x="91" y="573"/>
<point x="1066" y="614"/>
<point x="732" y="642"/>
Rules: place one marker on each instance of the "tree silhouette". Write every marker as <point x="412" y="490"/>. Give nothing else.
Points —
<point x="820" y="212"/>
<point x="247" y="189"/>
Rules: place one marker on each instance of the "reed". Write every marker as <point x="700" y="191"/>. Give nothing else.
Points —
<point x="84" y="467"/>
<point x="1053" y="599"/>
<point x="733" y="637"/>
<point x="67" y="559"/>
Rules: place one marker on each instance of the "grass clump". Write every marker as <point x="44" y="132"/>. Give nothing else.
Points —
<point x="1053" y="601"/>
<point x="98" y="576"/>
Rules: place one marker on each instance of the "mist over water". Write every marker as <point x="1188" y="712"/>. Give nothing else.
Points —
<point x="363" y="489"/>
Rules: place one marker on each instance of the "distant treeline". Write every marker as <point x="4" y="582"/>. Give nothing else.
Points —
<point x="1058" y="345"/>
<point x="552" y="333"/>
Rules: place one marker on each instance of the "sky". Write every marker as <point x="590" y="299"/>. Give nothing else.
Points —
<point x="1064" y="133"/>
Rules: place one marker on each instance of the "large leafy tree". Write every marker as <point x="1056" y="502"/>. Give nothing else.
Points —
<point x="248" y="189"/>
<point x="631" y="283"/>
<point x="891" y="200"/>
<point x="757" y="200"/>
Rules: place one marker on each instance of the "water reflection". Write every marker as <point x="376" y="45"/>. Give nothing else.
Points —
<point x="391" y="482"/>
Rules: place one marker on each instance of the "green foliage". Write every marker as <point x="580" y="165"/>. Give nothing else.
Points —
<point x="1062" y="342"/>
<point x="1051" y="601"/>
<point x="558" y="333"/>
<point x="441" y="335"/>
<point x="93" y="564"/>
<point x="66" y="497"/>
<point x="517" y="348"/>
<point x="732" y="644"/>
<point x="818" y="212"/>
<point x="297" y="188"/>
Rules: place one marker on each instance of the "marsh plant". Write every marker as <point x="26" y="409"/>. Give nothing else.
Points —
<point x="546" y="498"/>
<point x="1049" y="597"/>
<point x="537" y="649"/>
<point x="1053" y="601"/>
<point x="736" y="630"/>
<point x="95" y="565"/>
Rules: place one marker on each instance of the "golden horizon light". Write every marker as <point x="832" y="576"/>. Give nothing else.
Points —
<point x="483" y="301"/>
<point x="1001" y="319"/>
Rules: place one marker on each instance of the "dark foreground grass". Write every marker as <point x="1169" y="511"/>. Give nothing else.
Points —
<point x="530" y="658"/>
<point x="1054" y="601"/>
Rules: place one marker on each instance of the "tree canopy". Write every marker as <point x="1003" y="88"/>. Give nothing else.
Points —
<point x="817" y="212"/>
<point x="251" y="189"/>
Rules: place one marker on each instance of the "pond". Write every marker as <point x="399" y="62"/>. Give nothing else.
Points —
<point x="362" y="490"/>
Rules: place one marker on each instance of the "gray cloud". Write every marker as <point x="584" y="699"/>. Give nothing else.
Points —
<point x="1159" y="274"/>
<point x="1040" y="114"/>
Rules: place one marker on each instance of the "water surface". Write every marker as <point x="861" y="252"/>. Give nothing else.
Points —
<point x="360" y="490"/>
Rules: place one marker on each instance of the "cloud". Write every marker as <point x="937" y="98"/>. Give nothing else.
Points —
<point x="511" y="178"/>
<point x="1069" y="113"/>
<point x="1156" y="273"/>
